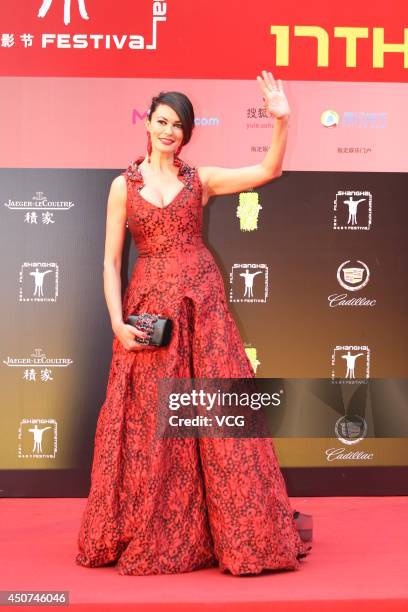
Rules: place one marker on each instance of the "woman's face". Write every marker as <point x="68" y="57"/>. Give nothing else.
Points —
<point x="165" y="129"/>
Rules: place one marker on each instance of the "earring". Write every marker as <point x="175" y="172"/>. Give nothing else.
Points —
<point x="149" y="146"/>
<point x="177" y="153"/>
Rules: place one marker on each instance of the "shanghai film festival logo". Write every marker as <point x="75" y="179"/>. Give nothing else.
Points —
<point x="32" y="279"/>
<point x="350" y="364"/>
<point x="96" y="41"/>
<point x="45" y="6"/>
<point x="37" y="439"/>
<point x="352" y="210"/>
<point x="249" y="283"/>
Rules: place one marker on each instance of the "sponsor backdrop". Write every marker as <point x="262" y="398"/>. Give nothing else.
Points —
<point x="314" y="263"/>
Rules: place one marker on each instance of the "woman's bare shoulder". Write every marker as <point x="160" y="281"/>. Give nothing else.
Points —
<point x="117" y="193"/>
<point x="119" y="182"/>
<point x="118" y="186"/>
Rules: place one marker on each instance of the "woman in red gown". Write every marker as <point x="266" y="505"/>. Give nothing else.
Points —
<point x="171" y="505"/>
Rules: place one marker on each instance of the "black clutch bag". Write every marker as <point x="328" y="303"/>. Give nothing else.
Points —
<point x="157" y="327"/>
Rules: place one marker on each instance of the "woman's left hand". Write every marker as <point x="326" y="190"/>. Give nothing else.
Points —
<point x="273" y="95"/>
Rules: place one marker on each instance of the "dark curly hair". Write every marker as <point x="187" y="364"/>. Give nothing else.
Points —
<point x="181" y="105"/>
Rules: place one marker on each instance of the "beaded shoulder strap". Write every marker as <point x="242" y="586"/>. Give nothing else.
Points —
<point x="186" y="173"/>
<point x="132" y="172"/>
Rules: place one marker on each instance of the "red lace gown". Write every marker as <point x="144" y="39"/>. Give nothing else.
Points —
<point x="159" y="506"/>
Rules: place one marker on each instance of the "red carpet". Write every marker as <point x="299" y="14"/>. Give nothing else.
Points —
<point x="359" y="562"/>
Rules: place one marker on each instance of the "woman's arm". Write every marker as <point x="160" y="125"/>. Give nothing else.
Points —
<point x="112" y="263"/>
<point x="220" y="181"/>
<point x="115" y="235"/>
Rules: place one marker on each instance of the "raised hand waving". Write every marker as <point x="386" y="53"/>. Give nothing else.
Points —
<point x="273" y="95"/>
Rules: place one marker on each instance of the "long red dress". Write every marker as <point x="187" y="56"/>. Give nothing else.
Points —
<point x="160" y="506"/>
